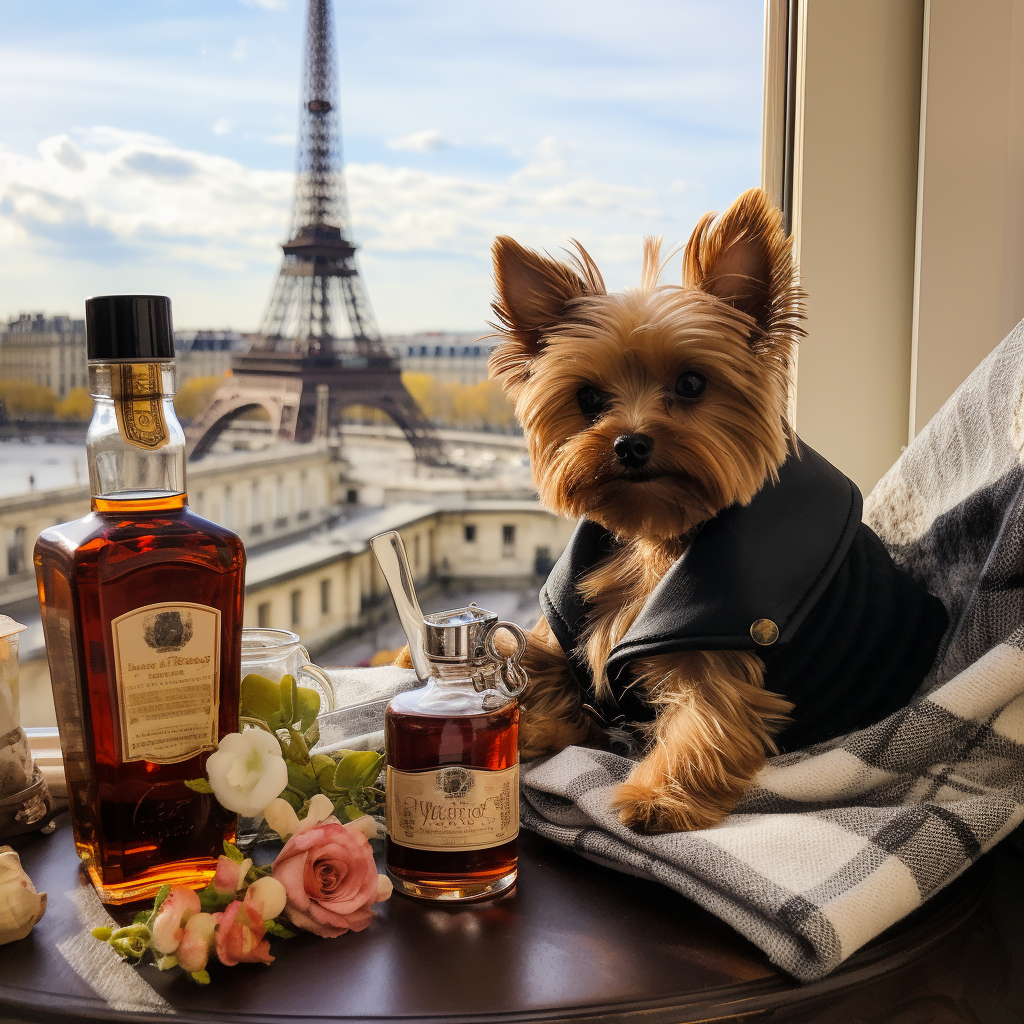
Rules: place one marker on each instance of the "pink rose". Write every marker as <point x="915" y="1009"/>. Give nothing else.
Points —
<point x="200" y="937"/>
<point x="240" y="937"/>
<point x="172" y="917"/>
<point x="330" y="879"/>
<point x="229" y="875"/>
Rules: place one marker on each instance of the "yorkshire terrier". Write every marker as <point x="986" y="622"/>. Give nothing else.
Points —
<point x="658" y="417"/>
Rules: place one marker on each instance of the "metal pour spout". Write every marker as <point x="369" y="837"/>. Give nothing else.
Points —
<point x="394" y="564"/>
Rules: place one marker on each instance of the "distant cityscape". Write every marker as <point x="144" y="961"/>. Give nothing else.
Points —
<point x="49" y="352"/>
<point x="305" y="511"/>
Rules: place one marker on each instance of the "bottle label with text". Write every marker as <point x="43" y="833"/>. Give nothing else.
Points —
<point x="167" y="662"/>
<point x="452" y="807"/>
<point x="137" y="394"/>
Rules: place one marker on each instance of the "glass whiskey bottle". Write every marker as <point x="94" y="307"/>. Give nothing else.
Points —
<point x="142" y="616"/>
<point x="452" y="789"/>
<point x="451" y="749"/>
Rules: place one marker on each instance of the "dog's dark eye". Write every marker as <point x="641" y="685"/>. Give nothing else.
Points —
<point x="591" y="400"/>
<point x="691" y="384"/>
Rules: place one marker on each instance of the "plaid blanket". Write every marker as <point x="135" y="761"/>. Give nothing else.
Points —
<point x="837" y="842"/>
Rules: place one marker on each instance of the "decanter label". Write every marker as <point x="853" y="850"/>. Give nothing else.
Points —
<point x="167" y="663"/>
<point x="137" y="392"/>
<point x="452" y="807"/>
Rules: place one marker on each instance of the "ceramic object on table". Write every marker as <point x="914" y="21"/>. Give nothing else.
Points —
<point x="25" y="802"/>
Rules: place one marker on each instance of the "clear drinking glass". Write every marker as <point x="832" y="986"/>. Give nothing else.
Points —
<point x="276" y="653"/>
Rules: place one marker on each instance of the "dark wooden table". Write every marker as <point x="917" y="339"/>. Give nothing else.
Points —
<point x="574" y="941"/>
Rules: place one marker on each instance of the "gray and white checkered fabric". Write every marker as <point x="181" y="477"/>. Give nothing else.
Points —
<point x="839" y="841"/>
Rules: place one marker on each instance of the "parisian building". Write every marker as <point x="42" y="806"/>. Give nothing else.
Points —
<point x="48" y="351"/>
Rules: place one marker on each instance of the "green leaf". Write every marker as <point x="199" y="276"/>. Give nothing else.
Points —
<point x="312" y="735"/>
<point x="322" y="762"/>
<point x="372" y="771"/>
<point x="162" y="893"/>
<point x="131" y="947"/>
<point x="278" y="930"/>
<point x="308" y="706"/>
<point x="232" y="852"/>
<point x="132" y="941"/>
<point x="200" y="977"/>
<point x="296" y="750"/>
<point x="352" y="812"/>
<point x="287" y="699"/>
<point x="211" y="901"/>
<point x="357" y="770"/>
<point x="326" y="779"/>
<point x="165" y="963"/>
<point x="199" y="785"/>
<point x="301" y="778"/>
<point x="261" y="698"/>
<point x="102" y="933"/>
<point x="142" y="917"/>
<point x="294" y="798"/>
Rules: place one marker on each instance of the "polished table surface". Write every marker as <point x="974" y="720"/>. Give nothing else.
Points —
<point x="573" y="941"/>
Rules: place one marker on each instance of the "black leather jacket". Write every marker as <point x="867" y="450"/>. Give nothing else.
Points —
<point x="855" y="635"/>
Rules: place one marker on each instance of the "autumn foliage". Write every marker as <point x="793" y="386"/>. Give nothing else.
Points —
<point x="194" y="395"/>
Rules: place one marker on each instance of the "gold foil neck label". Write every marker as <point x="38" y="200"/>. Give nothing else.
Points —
<point x="452" y="807"/>
<point x="167" y="666"/>
<point x="137" y="393"/>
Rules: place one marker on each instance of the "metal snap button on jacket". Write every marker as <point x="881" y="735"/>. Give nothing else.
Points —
<point x="764" y="632"/>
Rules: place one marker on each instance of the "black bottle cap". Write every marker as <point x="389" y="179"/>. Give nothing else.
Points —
<point x="129" y="328"/>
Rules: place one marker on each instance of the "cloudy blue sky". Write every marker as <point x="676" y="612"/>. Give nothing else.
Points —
<point x="150" y="146"/>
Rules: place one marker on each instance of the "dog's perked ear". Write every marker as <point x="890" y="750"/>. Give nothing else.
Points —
<point x="534" y="294"/>
<point x="745" y="259"/>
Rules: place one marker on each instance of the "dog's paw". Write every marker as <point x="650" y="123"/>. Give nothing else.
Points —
<point x="662" y="810"/>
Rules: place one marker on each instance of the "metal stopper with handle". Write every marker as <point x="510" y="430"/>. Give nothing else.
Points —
<point x="459" y="636"/>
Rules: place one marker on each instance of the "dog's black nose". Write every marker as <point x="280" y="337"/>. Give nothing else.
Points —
<point x="633" y="450"/>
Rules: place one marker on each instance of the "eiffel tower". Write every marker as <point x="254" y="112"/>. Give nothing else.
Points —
<point x="302" y="369"/>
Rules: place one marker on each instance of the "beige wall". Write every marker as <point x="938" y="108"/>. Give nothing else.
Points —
<point x="970" y="270"/>
<point x="262" y="496"/>
<point x="855" y="174"/>
<point x="354" y="578"/>
<point x="907" y="207"/>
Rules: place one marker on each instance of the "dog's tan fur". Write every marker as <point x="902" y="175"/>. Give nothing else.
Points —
<point x="736" y="320"/>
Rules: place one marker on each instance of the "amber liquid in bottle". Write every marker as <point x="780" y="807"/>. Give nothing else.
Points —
<point x="142" y="614"/>
<point x="137" y="825"/>
<point x="419" y="739"/>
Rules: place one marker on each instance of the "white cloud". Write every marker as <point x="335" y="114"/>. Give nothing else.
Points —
<point x="240" y="50"/>
<point x="68" y="154"/>
<point x="426" y="141"/>
<point x="549" y="160"/>
<point x="126" y="194"/>
<point x="126" y="200"/>
<point x="222" y="126"/>
<point x="267" y="5"/>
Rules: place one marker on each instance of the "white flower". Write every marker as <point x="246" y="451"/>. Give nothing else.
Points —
<point x="20" y="905"/>
<point x="281" y="816"/>
<point x="247" y="771"/>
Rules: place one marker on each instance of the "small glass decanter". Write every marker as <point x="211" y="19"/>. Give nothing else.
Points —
<point x="451" y="749"/>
